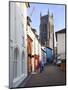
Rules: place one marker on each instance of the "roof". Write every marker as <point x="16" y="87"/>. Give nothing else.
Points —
<point x="61" y="31"/>
<point x="34" y="30"/>
<point x="29" y="19"/>
<point x="36" y="35"/>
<point x="49" y="48"/>
<point x="27" y="4"/>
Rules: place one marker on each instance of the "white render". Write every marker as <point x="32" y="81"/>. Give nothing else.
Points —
<point x="18" y="44"/>
<point x="36" y="47"/>
<point x="18" y="20"/>
<point x="61" y="44"/>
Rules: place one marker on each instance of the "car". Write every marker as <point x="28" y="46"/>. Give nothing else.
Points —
<point x="58" y="61"/>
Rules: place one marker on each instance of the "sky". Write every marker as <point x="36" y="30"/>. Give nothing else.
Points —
<point x="57" y="10"/>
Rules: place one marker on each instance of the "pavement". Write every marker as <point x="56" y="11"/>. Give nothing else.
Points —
<point x="50" y="76"/>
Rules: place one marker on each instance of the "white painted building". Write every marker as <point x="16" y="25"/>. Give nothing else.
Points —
<point x="36" y="46"/>
<point x="61" y="37"/>
<point x="18" y="44"/>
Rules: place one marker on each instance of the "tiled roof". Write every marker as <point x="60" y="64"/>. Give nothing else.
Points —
<point x="62" y="31"/>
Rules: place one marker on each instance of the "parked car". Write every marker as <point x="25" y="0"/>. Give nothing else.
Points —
<point x="58" y="61"/>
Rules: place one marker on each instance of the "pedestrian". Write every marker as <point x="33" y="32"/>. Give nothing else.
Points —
<point x="41" y="66"/>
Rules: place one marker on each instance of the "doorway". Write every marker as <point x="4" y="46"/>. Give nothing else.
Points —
<point x="29" y="53"/>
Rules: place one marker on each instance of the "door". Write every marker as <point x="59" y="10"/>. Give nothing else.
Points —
<point x="29" y="53"/>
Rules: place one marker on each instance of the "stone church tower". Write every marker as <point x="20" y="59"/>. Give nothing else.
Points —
<point x="47" y="30"/>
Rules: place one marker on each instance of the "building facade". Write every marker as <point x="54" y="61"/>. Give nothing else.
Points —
<point x="34" y="49"/>
<point x="47" y="30"/>
<point x="43" y="55"/>
<point x="17" y="43"/>
<point x="61" y="38"/>
<point x="24" y="45"/>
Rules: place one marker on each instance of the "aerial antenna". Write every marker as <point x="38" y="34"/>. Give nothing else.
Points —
<point x="48" y="11"/>
<point x="32" y="12"/>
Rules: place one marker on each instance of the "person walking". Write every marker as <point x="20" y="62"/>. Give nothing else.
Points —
<point x="41" y="66"/>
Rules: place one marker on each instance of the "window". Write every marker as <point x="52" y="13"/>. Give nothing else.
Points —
<point x="23" y="41"/>
<point x="16" y="56"/>
<point x="22" y="64"/>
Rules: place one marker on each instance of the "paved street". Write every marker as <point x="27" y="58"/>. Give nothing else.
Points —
<point x="51" y="75"/>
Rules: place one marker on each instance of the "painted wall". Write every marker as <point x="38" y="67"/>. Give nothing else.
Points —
<point x="43" y="58"/>
<point x="18" y="54"/>
<point x="36" y="47"/>
<point x="49" y="54"/>
<point x="61" y="44"/>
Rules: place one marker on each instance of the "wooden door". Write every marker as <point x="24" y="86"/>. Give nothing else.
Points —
<point x="29" y="52"/>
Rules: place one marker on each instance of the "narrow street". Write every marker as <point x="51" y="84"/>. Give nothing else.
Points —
<point x="51" y="75"/>
<point x="36" y="39"/>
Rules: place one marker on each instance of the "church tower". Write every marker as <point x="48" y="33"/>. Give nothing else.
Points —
<point x="47" y="30"/>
